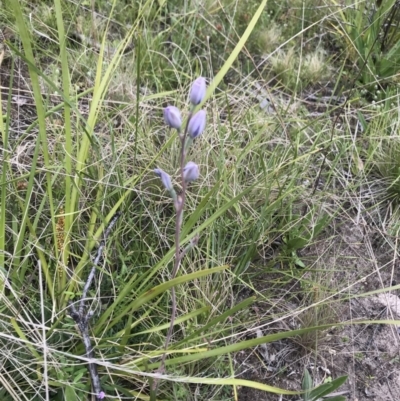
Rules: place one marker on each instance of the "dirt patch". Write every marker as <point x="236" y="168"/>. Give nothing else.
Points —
<point x="355" y="262"/>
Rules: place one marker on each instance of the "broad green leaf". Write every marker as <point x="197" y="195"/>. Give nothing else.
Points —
<point x="327" y="388"/>
<point x="70" y="394"/>
<point x="307" y="385"/>
<point x="297" y="243"/>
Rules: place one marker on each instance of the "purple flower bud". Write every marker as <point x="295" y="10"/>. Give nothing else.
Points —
<point x="172" y="117"/>
<point x="197" y="124"/>
<point x="101" y="395"/>
<point x="165" y="178"/>
<point x="198" y="91"/>
<point x="191" y="172"/>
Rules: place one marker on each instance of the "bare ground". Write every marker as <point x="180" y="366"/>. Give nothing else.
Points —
<point x="361" y="262"/>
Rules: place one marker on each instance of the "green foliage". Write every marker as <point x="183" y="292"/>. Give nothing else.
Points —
<point x="323" y="390"/>
<point x="371" y="32"/>
<point x="301" y="235"/>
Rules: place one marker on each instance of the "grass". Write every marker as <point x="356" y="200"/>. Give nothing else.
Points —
<point x="276" y="182"/>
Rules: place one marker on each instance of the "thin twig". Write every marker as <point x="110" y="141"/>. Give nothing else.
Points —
<point x="81" y="317"/>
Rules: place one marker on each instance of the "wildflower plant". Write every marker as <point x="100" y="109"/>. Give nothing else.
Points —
<point x="189" y="172"/>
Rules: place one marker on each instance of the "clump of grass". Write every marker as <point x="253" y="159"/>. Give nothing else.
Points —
<point x="269" y="38"/>
<point x="319" y="315"/>
<point x="314" y="67"/>
<point x="283" y="64"/>
<point x="296" y="71"/>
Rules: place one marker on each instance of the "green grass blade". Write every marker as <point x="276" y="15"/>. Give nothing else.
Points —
<point x="26" y="42"/>
<point x="236" y="51"/>
<point x="145" y="297"/>
<point x="217" y="320"/>
<point x="66" y="84"/>
<point x="4" y="133"/>
<point x="238" y="346"/>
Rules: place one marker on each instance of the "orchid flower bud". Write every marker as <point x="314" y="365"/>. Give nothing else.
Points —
<point x="191" y="172"/>
<point x="197" y="124"/>
<point x="165" y="179"/>
<point x="172" y="117"/>
<point x="198" y="91"/>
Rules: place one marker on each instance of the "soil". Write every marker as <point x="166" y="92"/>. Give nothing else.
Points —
<point x="367" y="353"/>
